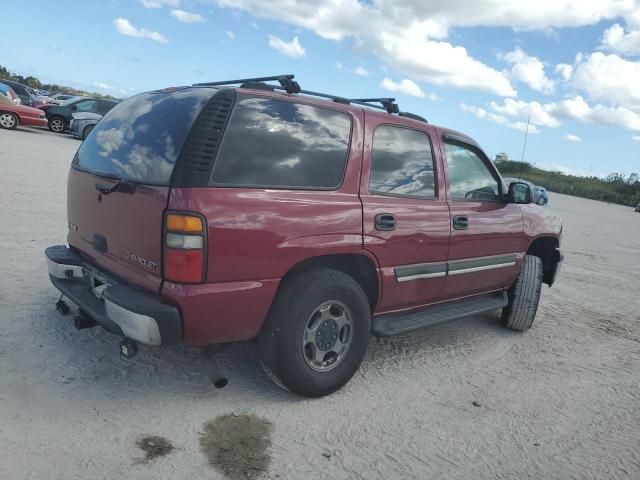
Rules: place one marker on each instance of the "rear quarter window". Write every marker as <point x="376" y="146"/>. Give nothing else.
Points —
<point x="140" y="138"/>
<point x="281" y="144"/>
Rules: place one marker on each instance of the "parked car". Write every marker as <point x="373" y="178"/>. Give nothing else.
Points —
<point x="540" y="194"/>
<point x="59" y="116"/>
<point x="213" y="214"/>
<point x="13" y="114"/>
<point x="58" y="98"/>
<point x="25" y="94"/>
<point x="638" y="207"/>
<point x="82" y="123"/>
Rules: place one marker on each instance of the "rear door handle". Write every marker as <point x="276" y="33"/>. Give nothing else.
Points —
<point x="461" y="222"/>
<point x="385" y="222"/>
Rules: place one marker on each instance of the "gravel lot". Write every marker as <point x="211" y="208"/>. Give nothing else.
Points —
<point x="561" y="401"/>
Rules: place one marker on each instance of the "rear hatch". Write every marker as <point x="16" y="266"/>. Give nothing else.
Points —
<point x="120" y="179"/>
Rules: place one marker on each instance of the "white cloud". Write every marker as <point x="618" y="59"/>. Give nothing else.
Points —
<point x="104" y="86"/>
<point x="528" y="70"/>
<point x="187" y="17"/>
<point x="406" y="86"/>
<point x="125" y="27"/>
<point x="616" y="39"/>
<point x="291" y="49"/>
<point x="499" y="119"/>
<point x="610" y="79"/>
<point x="410" y="46"/>
<point x="521" y="109"/>
<point x="635" y="138"/>
<point x="565" y="71"/>
<point x="575" y="108"/>
<point x="231" y="35"/>
<point x="572" y="138"/>
<point x="363" y="72"/>
<point x="160" y="3"/>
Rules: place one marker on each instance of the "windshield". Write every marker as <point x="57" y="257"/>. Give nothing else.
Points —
<point x="140" y="138"/>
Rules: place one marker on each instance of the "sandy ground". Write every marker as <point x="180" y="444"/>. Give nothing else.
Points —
<point x="561" y="401"/>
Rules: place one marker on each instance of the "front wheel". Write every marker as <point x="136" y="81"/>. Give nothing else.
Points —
<point x="524" y="295"/>
<point x="8" y="120"/>
<point x="87" y="131"/>
<point x="57" y="125"/>
<point x="316" y="333"/>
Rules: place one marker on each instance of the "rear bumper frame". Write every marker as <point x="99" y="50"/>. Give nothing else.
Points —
<point x="117" y="306"/>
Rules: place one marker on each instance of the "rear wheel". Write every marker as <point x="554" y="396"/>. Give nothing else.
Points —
<point x="87" y="131"/>
<point x="316" y="333"/>
<point x="524" y="295"/>
<point x="8" y="120"/>
<point x="57" y="124"/>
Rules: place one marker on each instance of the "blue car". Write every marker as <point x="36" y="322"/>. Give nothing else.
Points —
<point x="540" y="194"/>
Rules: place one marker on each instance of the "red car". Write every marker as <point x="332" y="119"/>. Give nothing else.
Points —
<point x="12" y="115"/>
<point x="213" y="214"/>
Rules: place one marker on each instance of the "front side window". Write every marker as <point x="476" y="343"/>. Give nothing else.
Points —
<point x="469" y="177"/>
<point x="86" y="106"/>
<point x="401" y="163"/>
<point x="275" y="143"/>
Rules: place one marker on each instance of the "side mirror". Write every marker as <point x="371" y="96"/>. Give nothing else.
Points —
<point x="74" y="108"/>
<point x="520" y="192"/>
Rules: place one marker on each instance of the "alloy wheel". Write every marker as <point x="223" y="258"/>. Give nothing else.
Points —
<point x="327" y="336"/>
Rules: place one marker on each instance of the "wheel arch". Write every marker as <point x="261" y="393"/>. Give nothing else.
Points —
<point x="358" y="266"/>
<point x="546" y="248"/>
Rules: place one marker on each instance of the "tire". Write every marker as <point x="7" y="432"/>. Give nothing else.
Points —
<point x="8" y="120"/>
<point x="57" y="124"/>
<point x="288" y="356"/>
<point x="541" y="201"/>
<point x="524" y="295"/>
<point x="87" y="131"/>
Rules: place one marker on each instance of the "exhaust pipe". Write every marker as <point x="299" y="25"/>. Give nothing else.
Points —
<point x="209" y="360"/>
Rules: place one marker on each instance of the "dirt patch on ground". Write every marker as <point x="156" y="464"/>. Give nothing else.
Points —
<point x="237" y="446"/>
<point x="154" y="446"/>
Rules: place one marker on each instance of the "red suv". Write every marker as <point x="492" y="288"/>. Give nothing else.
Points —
<point x="216" y="213"/>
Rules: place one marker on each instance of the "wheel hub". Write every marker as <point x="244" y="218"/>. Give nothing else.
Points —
<point x="327" y="334"/>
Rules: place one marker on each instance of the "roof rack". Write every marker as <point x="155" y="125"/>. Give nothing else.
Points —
<point x="289" y="85"/>
<point x="287" y="82"/>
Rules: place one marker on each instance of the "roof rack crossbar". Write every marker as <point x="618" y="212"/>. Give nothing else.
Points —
<point x="286" y="81"/>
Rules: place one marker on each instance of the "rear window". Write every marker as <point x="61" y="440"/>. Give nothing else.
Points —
<point x="141" y="137"/>
<point x="280" y="144"/>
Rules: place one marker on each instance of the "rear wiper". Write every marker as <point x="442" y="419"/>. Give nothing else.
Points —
<point x="123" y="186"/>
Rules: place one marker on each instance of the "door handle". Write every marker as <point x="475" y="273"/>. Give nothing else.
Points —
<point x="385" y="222"/>
<point x="461" y="222"/>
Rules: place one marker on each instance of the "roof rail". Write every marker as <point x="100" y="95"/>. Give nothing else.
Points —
<point x="413" y="116"/>
<point x="387" y="103"/>
<point x="289" y="85"/>
<point x="287" y="81"/>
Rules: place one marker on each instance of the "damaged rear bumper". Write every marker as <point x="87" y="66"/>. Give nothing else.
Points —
<point x="117" y="306"/>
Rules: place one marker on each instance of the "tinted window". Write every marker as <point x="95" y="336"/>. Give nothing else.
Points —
<point x="275" y="143"/>
<point x="141" y="137"/>
<point x="469" y="177"/>
<point x="401" y="163"/>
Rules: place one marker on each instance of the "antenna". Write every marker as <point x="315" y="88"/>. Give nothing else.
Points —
<point x="524" y="147"/>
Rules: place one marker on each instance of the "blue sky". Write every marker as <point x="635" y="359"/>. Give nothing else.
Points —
<point x="481" y="67"/>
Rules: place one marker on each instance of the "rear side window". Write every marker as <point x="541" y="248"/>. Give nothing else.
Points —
<point x="401" y="163"/>
<point x="141" y="137"/>
<point x="280" y="144"/>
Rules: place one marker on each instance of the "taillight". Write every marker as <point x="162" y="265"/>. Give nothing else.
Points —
<point x="185" y="248"/>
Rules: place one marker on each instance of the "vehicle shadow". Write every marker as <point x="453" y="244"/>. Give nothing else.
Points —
<point x="88" y="360"/>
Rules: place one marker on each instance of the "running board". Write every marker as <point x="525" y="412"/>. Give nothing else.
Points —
<point x="395" y="324"/>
